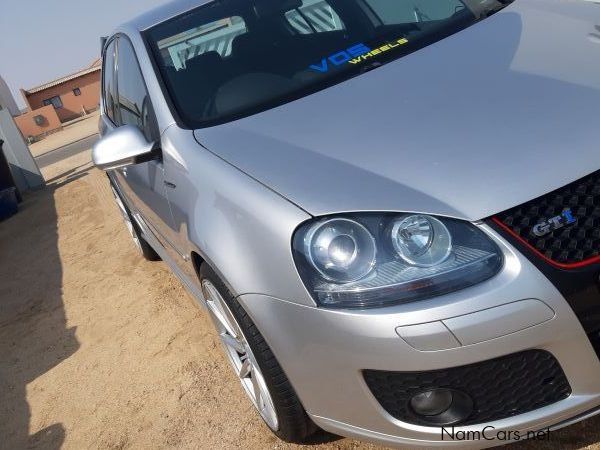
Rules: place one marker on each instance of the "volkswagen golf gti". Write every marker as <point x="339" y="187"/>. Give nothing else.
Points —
<point x="390" y="208"/>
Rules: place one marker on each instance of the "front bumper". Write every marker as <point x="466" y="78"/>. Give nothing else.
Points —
<point x="324" y="353"/>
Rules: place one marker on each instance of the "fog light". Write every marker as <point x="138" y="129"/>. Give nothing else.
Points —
<point x="441" y="406"/>
<point x="432" y="403"/>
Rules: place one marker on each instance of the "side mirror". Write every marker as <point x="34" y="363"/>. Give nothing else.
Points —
<point x="123" y="147"/>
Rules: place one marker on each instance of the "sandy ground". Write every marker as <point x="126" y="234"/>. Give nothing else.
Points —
<point x="99" y="349"/>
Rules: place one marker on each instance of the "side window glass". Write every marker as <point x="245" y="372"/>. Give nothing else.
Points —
<point x="108" y="70"/>
<point x="314" y="16"/>
<point x="133" y="103"/>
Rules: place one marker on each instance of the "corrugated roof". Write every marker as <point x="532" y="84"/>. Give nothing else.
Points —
<point x="94" y="68"/>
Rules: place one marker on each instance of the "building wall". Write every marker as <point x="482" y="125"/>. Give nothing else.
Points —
<point x="7" y="100"/>
<point x="73" y="106"/>
<point x="28" y="126"/>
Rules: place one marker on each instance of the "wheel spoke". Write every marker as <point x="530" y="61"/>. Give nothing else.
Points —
<point x="215" y="303"/>
<point x="229" y="321"/>
<point x="128" y="220"/>
<point x="257" y="391"/>
<point x="232" y="342"/>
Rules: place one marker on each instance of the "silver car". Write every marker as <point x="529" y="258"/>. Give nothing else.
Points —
<point x="391" y="209"/>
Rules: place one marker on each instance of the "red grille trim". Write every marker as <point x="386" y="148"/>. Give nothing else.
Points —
<point x="571" y="266"/>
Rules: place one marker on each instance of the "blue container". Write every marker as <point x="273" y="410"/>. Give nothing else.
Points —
<point x="8" y="203"/>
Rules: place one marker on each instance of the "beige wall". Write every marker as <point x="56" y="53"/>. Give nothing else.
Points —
<point x="73" y="106"/>
<point x="28" y="127"/>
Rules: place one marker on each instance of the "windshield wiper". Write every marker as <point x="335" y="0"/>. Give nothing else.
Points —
<point x="491" y="10"/>
<point x="371" y="66"/>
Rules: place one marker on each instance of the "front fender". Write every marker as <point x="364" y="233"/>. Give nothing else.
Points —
<point x="240" y="227"/>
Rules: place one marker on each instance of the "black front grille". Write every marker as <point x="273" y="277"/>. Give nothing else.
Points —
<point x="571" y="244"/>
<point x="499" y="388"/>
<point x="570" y="255"/>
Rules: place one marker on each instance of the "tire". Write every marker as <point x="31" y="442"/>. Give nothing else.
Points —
<point x="140" y="243"/>
<point x="292" y="423"/>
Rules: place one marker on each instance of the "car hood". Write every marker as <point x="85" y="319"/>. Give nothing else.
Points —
<point x="487" y="119"/>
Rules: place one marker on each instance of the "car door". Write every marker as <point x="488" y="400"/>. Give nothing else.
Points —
<point x="143" y="184"/>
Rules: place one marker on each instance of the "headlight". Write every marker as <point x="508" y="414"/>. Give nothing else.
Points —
<point x="340" y="249"/>
<point x="421" y="241"/>
<point x="373" y="260"/>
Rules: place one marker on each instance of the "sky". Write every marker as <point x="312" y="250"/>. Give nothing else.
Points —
<point x="41" y="40"/>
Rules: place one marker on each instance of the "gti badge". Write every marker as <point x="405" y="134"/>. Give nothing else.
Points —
<point x="555" y="223"/>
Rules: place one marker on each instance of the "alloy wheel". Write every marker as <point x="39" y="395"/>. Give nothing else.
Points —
<point x="240" y="355"/>
<point x="127" y="219"/>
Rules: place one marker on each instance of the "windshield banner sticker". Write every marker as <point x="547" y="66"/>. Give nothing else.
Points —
<point x="355" y="55"/>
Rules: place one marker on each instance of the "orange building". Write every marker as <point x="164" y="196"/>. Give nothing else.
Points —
<point x="70" y="97"/>
<point x="39" y="122"/>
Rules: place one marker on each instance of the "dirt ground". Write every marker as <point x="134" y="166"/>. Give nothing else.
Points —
<point x="99" y="349"/>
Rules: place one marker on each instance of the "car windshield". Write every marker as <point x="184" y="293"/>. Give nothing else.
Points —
<point x="233" y="58"/>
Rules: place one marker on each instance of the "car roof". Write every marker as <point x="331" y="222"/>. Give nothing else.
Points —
<point x="163" y="13"/>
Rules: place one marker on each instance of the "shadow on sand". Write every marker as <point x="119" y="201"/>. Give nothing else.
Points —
<point x="34" y="335"/>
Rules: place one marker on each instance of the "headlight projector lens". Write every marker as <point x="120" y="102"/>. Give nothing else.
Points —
<point x="342" y="250"/>
<point x="421" y="241"/>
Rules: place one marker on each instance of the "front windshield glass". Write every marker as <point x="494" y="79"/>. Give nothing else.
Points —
<point x="233" y="58"/>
